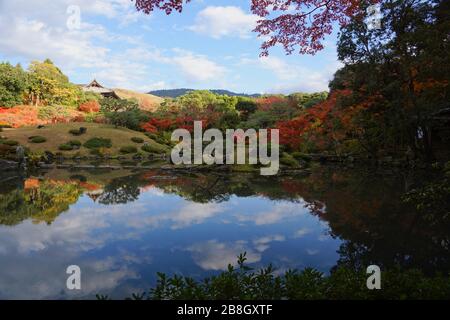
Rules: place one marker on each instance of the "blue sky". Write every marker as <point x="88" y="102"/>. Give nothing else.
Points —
<point x="209" y="45"/>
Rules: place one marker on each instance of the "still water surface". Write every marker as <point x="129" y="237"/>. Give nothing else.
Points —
<point x="122" y="228"/>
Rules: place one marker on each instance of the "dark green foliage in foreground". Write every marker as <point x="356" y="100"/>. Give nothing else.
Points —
<point x="432" y="200"/>
<point x="243" y="283"/>
<point x="96" y="143"/>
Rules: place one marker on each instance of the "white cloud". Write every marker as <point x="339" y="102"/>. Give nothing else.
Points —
<point x="218" y="22"/>
<point x="293" y="76"/>
<point x="198" y="67"/>
<point x="214" y="255"/>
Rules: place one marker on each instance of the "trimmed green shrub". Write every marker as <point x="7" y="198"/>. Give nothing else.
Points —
<point x="152" y="149"/>
<point x="38" y="139"/>
<point x="11" y="143"/>
<point x="75" y="143"/>
<point x="128" y="149"/>
<point x="65" y="147"/>
<point x="96" y="143"/>
<point x="75" y="132"/>
<point x="137" y="140"/>
<point x="78" y="132"/>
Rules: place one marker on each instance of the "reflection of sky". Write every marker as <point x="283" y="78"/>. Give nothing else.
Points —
<point x="121" y="247"/>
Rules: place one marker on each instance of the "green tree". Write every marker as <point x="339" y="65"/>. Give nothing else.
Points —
<point x="48" y="85"/>
<point x="307" y="100"/>
<point x="246" y="106"/>
<point x="13" y="82"/>
<point x="123" y="112"/>
<point x="399" y="74"/>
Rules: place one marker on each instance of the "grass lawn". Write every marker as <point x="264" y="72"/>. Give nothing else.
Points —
<point x="57" y="134"/>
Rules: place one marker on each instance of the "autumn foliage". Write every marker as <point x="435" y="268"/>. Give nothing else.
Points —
<point x="289" y="23"/>
<point x="89" y="106"/>
<point x="19" y="116"/>
<point x="315" y="124"/>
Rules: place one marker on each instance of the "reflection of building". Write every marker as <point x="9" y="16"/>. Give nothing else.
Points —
<point x="94" y="195"/>
<point x="96" y="87"/>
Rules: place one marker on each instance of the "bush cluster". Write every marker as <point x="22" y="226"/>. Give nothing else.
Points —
<point x="242" y="283"/>
<point x="152" y="149"/>
<point x="78" y="132"/>
<point x="137" y="140"/>
<point x="37" y="139"/>
<point x="95" y="143"/>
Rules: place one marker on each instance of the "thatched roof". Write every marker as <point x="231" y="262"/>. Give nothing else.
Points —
<point x="96" y="87"/>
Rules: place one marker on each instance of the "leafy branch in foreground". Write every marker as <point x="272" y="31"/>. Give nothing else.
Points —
<point x="242" y="283"/>
<point x="289" y="23"/>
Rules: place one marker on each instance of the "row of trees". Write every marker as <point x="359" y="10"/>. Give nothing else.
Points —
<point x="42" y="83"/>
<point x="223" y="111"/>
<point x="394" y="82"/>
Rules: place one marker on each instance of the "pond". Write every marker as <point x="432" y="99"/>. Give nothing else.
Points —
<point x="122" y="227"/>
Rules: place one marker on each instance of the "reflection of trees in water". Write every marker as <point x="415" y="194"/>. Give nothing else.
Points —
<point x="213" y="187"/>
<point x="376" y="226"/>
<point x="121" y="191"/>
<point x="42" y="203"/>
<point x="362" y="208"/>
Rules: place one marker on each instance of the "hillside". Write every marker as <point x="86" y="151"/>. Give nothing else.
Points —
<point x="147" y="102"/>
<point x="174" y="93"/>
<point x="58" y="134"/>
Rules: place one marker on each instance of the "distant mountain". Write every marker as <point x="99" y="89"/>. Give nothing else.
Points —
<point x="174" y="93"/>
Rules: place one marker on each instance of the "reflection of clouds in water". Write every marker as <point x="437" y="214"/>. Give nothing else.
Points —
<point x="262" y="244"/>
<point x="279" y="212"/>
<point x="86" y="233"/>
<point x="312" y="252"/>
<point x="49" y="249"/>
<point x="214" y="255"/>
<point x="78" y="230"/>
<point x="47" y="280"/>
<point x="302" y="232"/>
<point x="84" y="229"/>
<point x="189" y="214"/>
